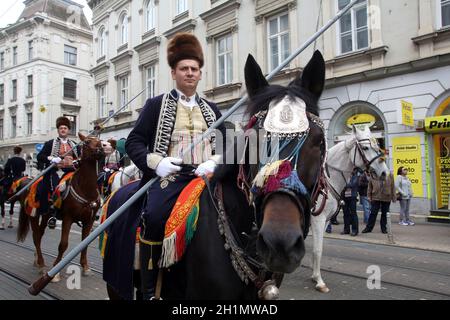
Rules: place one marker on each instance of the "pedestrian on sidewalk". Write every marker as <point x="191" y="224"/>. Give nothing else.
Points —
<point x="381" y="191"/>
<point x="350" y="197"/>
<point x="363" y="183"/>
<point x="404" y="193"/>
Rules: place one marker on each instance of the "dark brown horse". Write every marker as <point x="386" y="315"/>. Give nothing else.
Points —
<point x="80" y="205"/>
<point x="240" y="250"/>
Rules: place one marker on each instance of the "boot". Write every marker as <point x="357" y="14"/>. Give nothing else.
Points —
<point x="149" y="257"/>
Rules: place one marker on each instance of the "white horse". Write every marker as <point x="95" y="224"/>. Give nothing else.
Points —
<point x="360" y="150"/>
<point x="126" y="175"/>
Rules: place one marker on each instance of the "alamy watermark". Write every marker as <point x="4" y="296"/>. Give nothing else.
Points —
<point x="374" y="279"/>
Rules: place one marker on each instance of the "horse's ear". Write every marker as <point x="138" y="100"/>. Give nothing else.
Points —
<point x="354" y="130"/>
<point x="254" y="78"/>
<point x="313" y="76"/>
<point x="81" y="136"/>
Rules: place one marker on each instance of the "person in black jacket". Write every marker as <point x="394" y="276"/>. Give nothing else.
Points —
<point x="350" y="195"/>
<point x="363" y="183"/>
<point x="165" y="128"/>
<point x="14" y="170"/>
<point x="62" y="152"/>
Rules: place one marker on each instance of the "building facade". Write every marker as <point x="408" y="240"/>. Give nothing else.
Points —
<point x="387" y="67"/>
<point x="45" y="58"/>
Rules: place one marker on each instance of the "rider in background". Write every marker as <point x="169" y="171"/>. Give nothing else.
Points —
<point x="113" y="162"/>
<point x="14" y="170"/>
<point x="60" y="151"/>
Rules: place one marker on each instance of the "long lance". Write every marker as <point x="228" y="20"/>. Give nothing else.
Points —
<point x="40" y="284"/>
<point x="100" y="127"/>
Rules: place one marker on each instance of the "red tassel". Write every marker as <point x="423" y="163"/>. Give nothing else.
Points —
<point x="284" y="170"/>
<point x="251" y="123"/>
<point x="272" y="184"/>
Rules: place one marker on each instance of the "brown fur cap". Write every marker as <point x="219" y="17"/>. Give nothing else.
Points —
<point x="62" y="121"/>
<point x="184" y="46"/>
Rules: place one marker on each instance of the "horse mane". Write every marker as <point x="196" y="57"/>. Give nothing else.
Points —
<point x="262" y="99"/>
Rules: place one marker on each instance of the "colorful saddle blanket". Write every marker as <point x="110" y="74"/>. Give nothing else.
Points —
<point x="182" y="223"/>
<point x="31" y="203"/>
<point x="62" y="190"/>
<point x="16" y="185"/>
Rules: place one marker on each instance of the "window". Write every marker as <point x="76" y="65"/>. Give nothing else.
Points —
<point x="1" y="129"/>
<point x="151" y="81"/>
<point x="30" y="50"/>
<point x="2" y="61"/>
<point x="278" y="31"/>
<point x="354" y="32"/>
<point x="445" y="13"/>
<point x="124" y="29"/>
<point x="150" y="15"/>
<point x="29" y="123"/>
<point x="70" y="55"/>
<point x="102" y="43"/>
<point x="70" y="88"/>
<point x="102" y="106"/>
<point x="73" y="123"/>
<point x="15" y="56"/>
<point x="224" y="60"/>
<point x="181" y="6"/>
<point x="13" y="126"/>
<point x="123" y="91"/>
<point x="30" y="86"/>
<point x="2" y="93"/>
<point x="14" y="90"/>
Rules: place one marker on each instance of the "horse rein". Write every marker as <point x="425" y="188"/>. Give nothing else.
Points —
<point x="239" y="258"/>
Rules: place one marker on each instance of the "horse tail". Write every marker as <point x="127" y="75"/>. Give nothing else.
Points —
<point x="24" y="225"/>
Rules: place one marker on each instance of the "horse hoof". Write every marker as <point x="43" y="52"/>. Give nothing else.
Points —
<point x="56" y="278"/>
<point x="322" y="289"/>
<point x="87" y="272"/>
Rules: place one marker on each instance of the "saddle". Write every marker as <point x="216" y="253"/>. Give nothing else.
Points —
<point x="62" y="190"/>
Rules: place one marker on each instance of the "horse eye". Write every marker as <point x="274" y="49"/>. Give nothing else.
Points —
<point x="365" y="148"/>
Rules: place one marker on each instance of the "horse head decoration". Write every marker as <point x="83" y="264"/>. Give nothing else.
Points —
<point x="292" y="149"/>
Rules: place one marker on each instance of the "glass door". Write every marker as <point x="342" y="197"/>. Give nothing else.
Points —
<point x="442" y="165"/>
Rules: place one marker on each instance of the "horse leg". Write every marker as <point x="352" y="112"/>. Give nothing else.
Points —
<point x="11" y="212"/>
<point x="2" y="205"/>
<point x="83" y="258"/>
<point x="37" y="237"/>
<point x="63" y="244"/>
<point x="318" y="228"/>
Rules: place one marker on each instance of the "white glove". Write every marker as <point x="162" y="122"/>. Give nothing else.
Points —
<point x="106" y="169"/>
<point x="166" y="166"/>
<point x="56" y="160"/>
<point x="206" y="168"/>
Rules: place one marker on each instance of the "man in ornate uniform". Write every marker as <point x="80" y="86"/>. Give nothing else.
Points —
<point x="14" y="169"/>
<point x="62" y="152"/>
<point x="166" y="127"/>
<point x="112" y="163"/>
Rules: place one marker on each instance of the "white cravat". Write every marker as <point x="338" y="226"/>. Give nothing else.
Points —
<point x="190" y="102"/>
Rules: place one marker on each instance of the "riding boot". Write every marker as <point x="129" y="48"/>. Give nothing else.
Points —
<point x="149" y="255"/>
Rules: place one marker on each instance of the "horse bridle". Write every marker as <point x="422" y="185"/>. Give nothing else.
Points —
<point x="366" y="162"/>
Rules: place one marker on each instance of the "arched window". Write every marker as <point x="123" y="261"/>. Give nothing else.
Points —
<point x="150" y="15"/>
<point x="102" y="42"/>
<point x="124" y="29"/>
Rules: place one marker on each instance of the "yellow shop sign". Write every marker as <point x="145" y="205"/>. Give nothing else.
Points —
<point x="360" y="120"/>
<point x="437" y="124"/>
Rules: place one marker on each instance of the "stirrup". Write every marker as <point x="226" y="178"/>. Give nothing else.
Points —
<point x="51" y="223"/>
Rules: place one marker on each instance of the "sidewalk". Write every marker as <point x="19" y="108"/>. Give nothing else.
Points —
<point x="424" y="235"/>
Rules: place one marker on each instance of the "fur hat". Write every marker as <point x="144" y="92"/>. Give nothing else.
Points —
<point x="62" y="121"/>
<point x="113" y="143"/>
<point x="184" y="46"/>
<point x="17" y="150"/>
